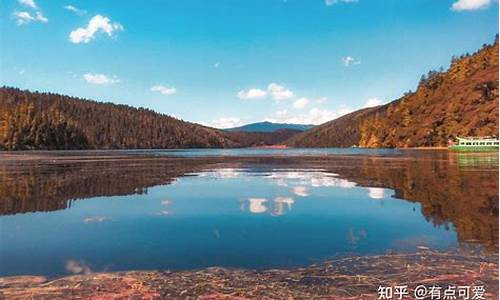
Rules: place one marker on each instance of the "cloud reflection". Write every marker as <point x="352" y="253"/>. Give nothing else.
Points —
<point x="163" y="213"/>
<point x="96" y="219"/>
<point x="224" y="173"/>
<point x="300" y="191"/>
<point x="355" y="236"/>
<point x="300" y="183"/>
<point x="376" y="193"/>
<point x="310" y="178"/>
<point x="77" y="267"/>
<point x="279" y="205"/>
<point x="166" y="202"/>
<point x="257" y="205"/>
<point x="166" y="211"/>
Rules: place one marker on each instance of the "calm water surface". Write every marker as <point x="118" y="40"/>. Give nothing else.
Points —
<point x="70" y="217"/>
<point x="274" y="152"/>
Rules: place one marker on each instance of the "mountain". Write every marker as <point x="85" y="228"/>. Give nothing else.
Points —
<point x="47" y="121"/>
<point x="462" y="101"/>
<point x="251" y="139"/>
<point x="341" y="132"/>
<point x="270" y="127"/>
<point x="31" y="120"/>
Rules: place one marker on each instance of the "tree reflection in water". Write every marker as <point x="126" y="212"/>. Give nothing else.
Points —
<point x="457" y="189"/>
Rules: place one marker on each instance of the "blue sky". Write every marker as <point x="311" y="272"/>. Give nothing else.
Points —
<point x="228" y="62"/>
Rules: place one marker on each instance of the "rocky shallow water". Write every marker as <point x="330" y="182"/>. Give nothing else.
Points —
<point x="346" y="278"/>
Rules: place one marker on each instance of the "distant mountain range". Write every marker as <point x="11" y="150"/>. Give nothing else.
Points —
<point x="270" y="127"/>
<point x="462" y="101"/>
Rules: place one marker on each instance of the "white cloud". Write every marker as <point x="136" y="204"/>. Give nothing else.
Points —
<point x="300" y="103"/>
<point x="461" y="5"/>
<point x="29" y="3"/>
<point x="314" y="116"/>
<point x="76" y="10"/>
<point x="167" y="91"/>
<point x="100" y="79"/>
<point x="332" y="2"/>
<point x="279" y="92"/>
<point x="96" y="24"/>
<point x="252" y="94"/>
<point x="223" y="123"/>
<point x="274" y="91"/>
<point x="349" y="61"/>
<point x="283" y="112"/>
<point x="319" y="116"/>
<point x="373" y="102"/>
<point x="40" y="17"/>
<point x="24" y="17"/>
<point x="321" y="100"/>
<point x="344" y="110"/>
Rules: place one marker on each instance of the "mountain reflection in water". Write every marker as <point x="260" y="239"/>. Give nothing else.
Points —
<point x="460" y="197"/>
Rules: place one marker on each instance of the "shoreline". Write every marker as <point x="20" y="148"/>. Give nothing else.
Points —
<point x="355" y="277"/>
<point x="278" y="146"/>
<point x="85" y="154"/>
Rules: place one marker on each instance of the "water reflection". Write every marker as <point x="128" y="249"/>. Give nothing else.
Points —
<point x="449" y="190"/>
<point x="281" y="205"/>
<point x="313" y="178"/>
<point x="165" y="208"/>
<point x="299" y="181"/>
<point x="376" y="193"/>
<point x="300" y="191"/>
<point x="238" y="212"/>
<point x="97" y="219"/>
<point x="257" y="205"/>
<point x="77" y="267"/>
<point x="354" y="236"/>
<point x="475" y="160"/>
<point x="277" y="207"/>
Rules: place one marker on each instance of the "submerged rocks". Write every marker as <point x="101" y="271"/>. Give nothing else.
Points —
<point x="347" y="278"/>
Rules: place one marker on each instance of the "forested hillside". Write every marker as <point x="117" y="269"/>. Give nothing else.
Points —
<point x="31" y="120"/>
<point x="462" y="101"/>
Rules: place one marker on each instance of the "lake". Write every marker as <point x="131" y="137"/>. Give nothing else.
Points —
<point x="90" y="211"/>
